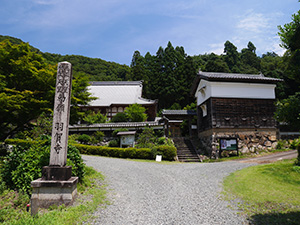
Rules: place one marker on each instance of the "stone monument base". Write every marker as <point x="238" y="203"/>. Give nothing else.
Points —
<point x="52" y="192"/>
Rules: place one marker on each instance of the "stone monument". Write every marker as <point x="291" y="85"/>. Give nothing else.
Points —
<point x="57" y="186"/>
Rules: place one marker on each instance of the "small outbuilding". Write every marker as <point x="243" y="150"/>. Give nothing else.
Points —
<point x="174" y="119"/>
<point x="235" y="107"/>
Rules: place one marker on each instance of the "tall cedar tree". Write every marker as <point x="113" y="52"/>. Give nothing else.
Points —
<point x="167" y="76"/>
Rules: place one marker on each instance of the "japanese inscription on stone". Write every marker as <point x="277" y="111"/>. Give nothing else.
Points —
<point x="61" y="112"/>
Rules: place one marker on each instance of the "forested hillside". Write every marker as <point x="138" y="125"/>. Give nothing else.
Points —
<point x="168" y="75"/>
<point x="96" y="69"/>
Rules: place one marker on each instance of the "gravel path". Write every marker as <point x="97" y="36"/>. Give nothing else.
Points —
<point x="157" y="193"/>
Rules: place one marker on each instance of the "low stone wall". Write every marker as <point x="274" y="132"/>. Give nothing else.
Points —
<point x="249" y="141"/>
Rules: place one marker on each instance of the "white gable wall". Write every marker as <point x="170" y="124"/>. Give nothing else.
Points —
<point x="208" y="89"/>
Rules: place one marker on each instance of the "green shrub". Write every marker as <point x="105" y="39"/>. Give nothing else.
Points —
<point x="93" y="117"/>
<point x="20" y="142"/>
<point x="280" y="144"/>
<point x="147" y="139"/>
<point x="167" y="152"/>
<point x="24" y="163"/>
<point x="73" y="138"/>
<point x="165" y="141"/>
<point x="98" y="136"/>
<point x="74" y="159"/>
<point x="119" y="117"/>
<point x="84" y="138"/>
<point x="294" y="144"/>
<point x="114" y="143"/>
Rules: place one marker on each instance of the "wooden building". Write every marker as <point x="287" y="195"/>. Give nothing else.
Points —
<point x="173" y="120"/>
<point x="235" y="106"/>
<point x="114" y="96"/>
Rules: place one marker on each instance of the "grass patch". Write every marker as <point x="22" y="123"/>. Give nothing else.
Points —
<point x="91" y="194"/>
<point x="269" y="194"/>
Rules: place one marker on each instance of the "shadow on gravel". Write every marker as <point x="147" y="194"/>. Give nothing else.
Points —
<point x="276" y="218"/>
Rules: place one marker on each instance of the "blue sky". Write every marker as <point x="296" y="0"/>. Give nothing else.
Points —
<point x="113" y="29"/>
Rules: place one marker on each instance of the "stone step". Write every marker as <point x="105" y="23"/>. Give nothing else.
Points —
<point x="189" y="158"/>
<point x="185" y="151"/>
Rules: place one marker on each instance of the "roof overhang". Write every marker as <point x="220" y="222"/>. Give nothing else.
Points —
<point x="231" y="77"/>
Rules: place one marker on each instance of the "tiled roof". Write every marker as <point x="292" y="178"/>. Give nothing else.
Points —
<point x="79" y="127"/>
<point x="232" y="77"/>
<point x="178" y="112"/>
<point x="117" y="92"/>
<point x="237" y="76"/>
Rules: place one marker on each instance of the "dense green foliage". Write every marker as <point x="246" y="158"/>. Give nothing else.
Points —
<point x="96" y="69"/>
<point x="27" y="86"/>
<point x="133" y="113"/>
<point x="119" y="117"/>
<point x="167" y="76"/>
<point x="93" y="117"/>
<point x="288" y="110"/>
<point x="24" y="163"/>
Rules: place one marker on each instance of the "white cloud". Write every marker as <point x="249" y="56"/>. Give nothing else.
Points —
<point x="253" y="22"/>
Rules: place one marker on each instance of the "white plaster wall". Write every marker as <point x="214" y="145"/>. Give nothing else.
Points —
<point x="203" y="92"/>
<point x="208" y="89"/>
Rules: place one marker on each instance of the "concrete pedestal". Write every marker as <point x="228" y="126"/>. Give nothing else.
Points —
<point x="52" y="192"/>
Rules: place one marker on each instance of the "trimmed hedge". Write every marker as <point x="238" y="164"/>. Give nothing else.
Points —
<point x="22" y="142"/>
<point x="134" y="153"/>
<point x="167" y="152"/>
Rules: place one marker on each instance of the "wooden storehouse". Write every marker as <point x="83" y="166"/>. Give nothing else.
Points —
<point x="236" y="107"/>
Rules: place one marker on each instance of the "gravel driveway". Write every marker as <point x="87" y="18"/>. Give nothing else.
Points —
<point x="158" y="193"/>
